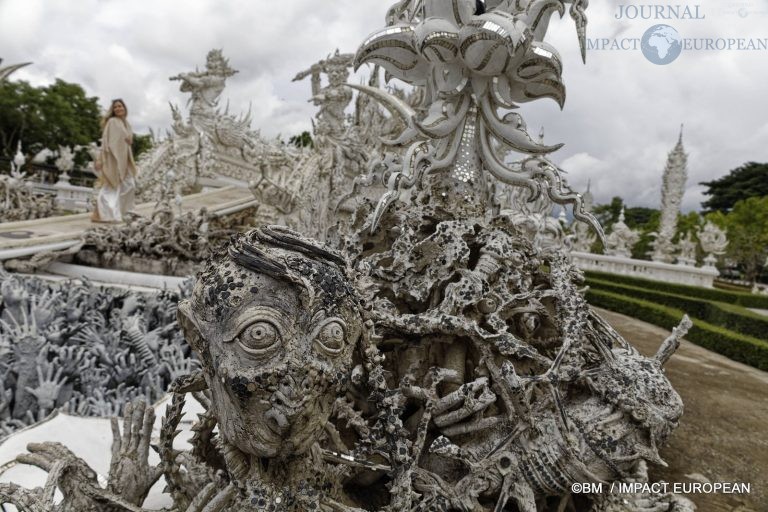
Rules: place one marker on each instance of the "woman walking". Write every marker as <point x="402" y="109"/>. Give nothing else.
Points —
<point x="115" y="166"/>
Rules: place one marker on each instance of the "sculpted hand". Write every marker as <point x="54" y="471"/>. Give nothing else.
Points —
<point x="48" y="388"/>
<point x="130" y="475"/>
<point x="69" y="473"/>
<point x="101" y="404"/>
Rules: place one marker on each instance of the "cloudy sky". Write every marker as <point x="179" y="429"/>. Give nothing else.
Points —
<point x="622" y="115"/>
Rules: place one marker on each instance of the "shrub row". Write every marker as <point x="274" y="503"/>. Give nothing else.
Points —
<point x="734" y="318"/>
<point x="733" y="345"/>
<point x="747" y="300"/>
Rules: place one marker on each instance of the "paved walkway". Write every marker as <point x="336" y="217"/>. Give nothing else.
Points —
<point x="52" y="230"/>
<point x="723" y="435"/>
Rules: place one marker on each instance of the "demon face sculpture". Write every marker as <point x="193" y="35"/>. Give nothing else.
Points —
<point x="275" y="323"/>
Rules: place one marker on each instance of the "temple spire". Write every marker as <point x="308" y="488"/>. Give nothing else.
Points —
<point x="673" y="188"/>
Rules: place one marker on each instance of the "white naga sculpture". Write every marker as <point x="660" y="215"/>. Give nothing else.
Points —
<point x="714" y="242"/>
<point x="673" y="188"/>
<point x="621" y="239"/>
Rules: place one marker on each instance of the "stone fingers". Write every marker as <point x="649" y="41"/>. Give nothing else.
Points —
<point x="117" y="441"/>
<point x="137" y="423"/>
<point x="127" y="425"/>
<point x="146" y="434"/>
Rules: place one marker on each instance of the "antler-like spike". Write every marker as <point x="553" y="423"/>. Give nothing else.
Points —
<point x="672" y="343"/>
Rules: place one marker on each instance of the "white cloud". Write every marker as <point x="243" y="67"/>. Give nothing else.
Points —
<point x="621" y="118"/>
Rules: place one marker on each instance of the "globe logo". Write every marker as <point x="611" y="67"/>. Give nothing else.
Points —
<point x="661" y="44"/>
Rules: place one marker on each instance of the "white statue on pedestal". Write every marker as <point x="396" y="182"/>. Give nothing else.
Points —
<point x="206" y="86"/>
<point x="65" y="163"/>
<point x="687" y="248"/>
<point x="713" y="241"/>
<point x="621" y="239"/>
<point x="19" y="159"/>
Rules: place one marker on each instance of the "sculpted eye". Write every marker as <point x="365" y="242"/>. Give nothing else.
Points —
<point x="259" y="338"/>
<point x="331" y="337"/>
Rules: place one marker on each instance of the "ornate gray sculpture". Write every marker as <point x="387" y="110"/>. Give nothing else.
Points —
<point x="166" y="243"/>
<point x="673" y="188"/>
<point x="458" y="366"/>
<point x="211" y="142"/>
<point x="206" y="88"/>
<point x="334" y="98"/>
<point x="499" y="368"/>
<point x="474" y="66"/>
<point x="279" y="330"/>
<point x="337" y="158"/>
<point x="582" y="239"/>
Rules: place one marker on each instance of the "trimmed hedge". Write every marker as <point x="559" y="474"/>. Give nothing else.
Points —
<point x="734" y="318"/>
<point x="738" y="347"/>
<point x="747" y="300"/>
<point x="731" y="287"/>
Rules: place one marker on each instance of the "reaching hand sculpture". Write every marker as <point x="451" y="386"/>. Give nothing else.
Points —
<point x="474" y="66"/>
<point x="85" y="349"/>
<point x="130" y="475"/>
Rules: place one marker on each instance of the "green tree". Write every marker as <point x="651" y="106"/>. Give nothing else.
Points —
<point x="747" y="225"/>
<point x="608" y="214"/>
<point x="60" y="114"/>
<point x="141" y="144"/>
<point x="749" y="180"/>
<point x="303" y="140"/>
<point x="647" y="221"/>
<point x="639" y="216"/>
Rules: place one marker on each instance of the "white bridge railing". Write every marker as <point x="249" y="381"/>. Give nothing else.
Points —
<point x="672" y="273"/>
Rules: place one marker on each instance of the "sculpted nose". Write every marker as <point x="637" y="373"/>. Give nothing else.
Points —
<point x="288" y="387"/>
<point x="277" y="421"/>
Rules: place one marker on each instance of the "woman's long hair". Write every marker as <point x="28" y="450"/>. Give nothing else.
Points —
<point x="111" y="112"/>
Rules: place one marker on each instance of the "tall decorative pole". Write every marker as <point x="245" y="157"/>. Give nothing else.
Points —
<point x="673" y="188"/>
